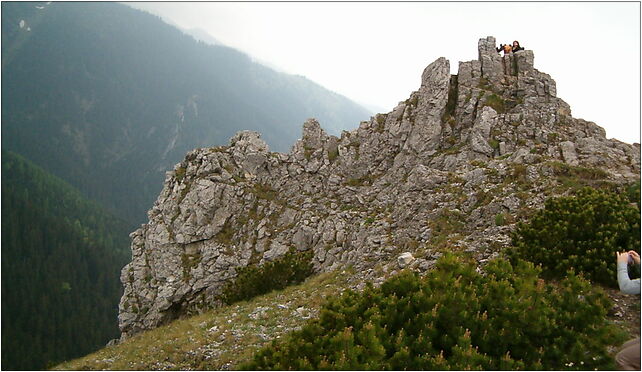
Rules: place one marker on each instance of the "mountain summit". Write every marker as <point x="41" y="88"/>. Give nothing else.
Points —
<point x="452" y="168"/>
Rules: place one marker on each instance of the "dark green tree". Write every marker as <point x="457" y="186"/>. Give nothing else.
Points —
<point x="581" y="232"/>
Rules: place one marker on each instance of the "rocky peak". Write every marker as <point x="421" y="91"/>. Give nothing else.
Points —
<point x="451" y="168"/>
<point x="249" y="142"/>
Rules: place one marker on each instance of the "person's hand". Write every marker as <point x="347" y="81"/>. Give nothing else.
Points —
<point x="623" y="257"/>
<point x="635" y="256"/>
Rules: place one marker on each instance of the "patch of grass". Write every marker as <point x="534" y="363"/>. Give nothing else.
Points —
<point x="483" y="198"/>
<point x="361" y="181"/>
<point x="412" y="101"/>
<point x="451" y="140"/>
<point x="452" y="150"/>
<point x="251" y="215"/>
<point x="237" y="178"/>
<point x="455" y="178"/>
<point x="264" y="191"/>
<point x="575" y="178"/>
<point x="448" y="222"/>
<point x="468" y="97"/>
<point x="477" y="163"/>
<point x="333" y="154"/>
<point x="484" y="84"/>
<point x="410" y="245"/>
<point x="519" y="176"/>
<point x="447" y="227"/>
<point x="492" y="172"/>
<point x="307" y="152"/>
<point x="552" y="137"/>
<point x="356" y="144"/>
<point x="563" y="169"/>
<point x="180" y="173"/>
<point x="380" y="119"/>
<point x="496" y="102"/>
<point x="188" y="262"/>
<point x="224" y="236"/>
<point x="183" y="194"/>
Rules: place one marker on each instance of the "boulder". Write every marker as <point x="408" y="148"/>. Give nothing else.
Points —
<point x="405" y="259"/>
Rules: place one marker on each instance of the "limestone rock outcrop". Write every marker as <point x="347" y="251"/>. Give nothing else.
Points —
<point x="434" y="174"/>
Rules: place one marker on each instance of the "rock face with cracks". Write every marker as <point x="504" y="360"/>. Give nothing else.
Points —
<point x="453" y="167"/>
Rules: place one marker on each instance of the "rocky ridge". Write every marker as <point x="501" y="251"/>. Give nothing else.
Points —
<point x="453" y="167"/>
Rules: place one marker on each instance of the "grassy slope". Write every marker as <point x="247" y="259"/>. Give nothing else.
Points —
<point x="221" y="338"/>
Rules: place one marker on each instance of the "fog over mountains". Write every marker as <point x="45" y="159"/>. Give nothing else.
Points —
<point x="109" y="98"/>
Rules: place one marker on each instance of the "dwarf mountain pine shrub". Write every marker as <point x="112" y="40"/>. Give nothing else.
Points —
<point x="253" y="280"/>
<point x="454" y="318"/>
<point x="633" y="193"/>
<point x="581" y="232"/>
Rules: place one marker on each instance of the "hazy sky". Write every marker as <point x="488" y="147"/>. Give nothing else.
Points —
<point x="374" y="53"/>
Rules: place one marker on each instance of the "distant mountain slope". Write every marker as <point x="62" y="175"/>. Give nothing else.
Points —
<point x="109" y="98"/>
<point x="202" y="35"/>
<point x="61" y="259"/>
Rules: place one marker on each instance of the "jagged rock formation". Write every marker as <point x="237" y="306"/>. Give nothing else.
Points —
<point x="451" y="168"/>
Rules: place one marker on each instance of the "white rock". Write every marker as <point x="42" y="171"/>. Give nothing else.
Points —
<point x="405" y="259"/>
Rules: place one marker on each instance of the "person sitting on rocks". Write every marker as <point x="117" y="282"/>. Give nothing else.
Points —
<point x="506" y="48"/>
<point x="516" y="47"/>
<point x="629" y="356"/>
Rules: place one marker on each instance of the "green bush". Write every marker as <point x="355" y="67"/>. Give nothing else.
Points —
<point x="566" y="170"/>
<point x="633" y="193"/>
<point x="253" y="280"/>
<point x="454" y="318"/>
<point x="581" y="232"/>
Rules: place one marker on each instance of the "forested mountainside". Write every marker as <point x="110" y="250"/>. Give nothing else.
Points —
<point x="109" y="98"/>
<point x="61" y="256"/>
